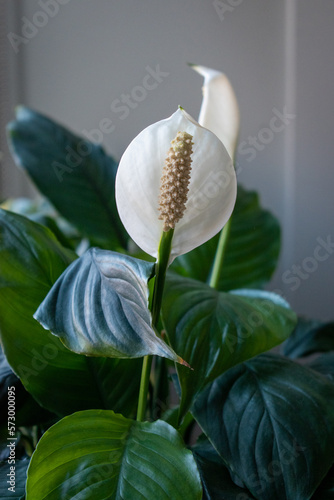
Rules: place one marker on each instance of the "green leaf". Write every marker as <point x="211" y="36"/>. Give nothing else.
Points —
<point x="60" y="380"/>
<point x="216" y="478"/>
<point x="309" y="337"/>
<point x="252" y="249"/>
<point x="76" y="175"/>
<point x="99" y="307"/>
<point x="214" y="330"/>
<point x="99" y="455"/>
<point x="272" y="422"/>
<point x="20" y="470"/>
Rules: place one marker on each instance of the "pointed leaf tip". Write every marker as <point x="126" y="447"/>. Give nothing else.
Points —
<point x="184" y="363"/>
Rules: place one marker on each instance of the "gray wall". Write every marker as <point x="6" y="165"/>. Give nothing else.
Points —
<point x="279" y="58"/>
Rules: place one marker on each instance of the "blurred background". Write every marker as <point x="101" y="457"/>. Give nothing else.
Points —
<point x="79" y="61"/>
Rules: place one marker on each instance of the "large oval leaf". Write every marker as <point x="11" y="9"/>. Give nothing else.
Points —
<point x="60" y="380"/>
<point x="99" y="307"/>
<point x="214" y="330"/>
<point x="76" y="175"/>
<point x="252" y="248"/>
<point x="99" y="455"/>
<point x="272" y="421"/>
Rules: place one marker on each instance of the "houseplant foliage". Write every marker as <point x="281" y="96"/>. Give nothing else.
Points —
<point x="122" y="349"/>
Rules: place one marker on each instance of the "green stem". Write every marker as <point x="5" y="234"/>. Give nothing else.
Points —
<point x="160" y="275"/>
<point x="144" y="383"/>
<point x="220" y="255"/>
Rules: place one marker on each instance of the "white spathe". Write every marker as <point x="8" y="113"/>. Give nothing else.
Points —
<point x="219" y="110"/>
<point x="212" y="187"/>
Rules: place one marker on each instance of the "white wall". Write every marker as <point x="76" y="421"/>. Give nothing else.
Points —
<point x="278" y="55"/>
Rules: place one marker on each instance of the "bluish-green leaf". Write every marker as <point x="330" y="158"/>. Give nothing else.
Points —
<point x="74" y="174"/>
<point x="27" y="411"/>
<point x="31" y="260"/>
<point x="309" y="336"/>
<point x="99" y="307"/>
<point x="214" y="330"/>
<point x="324" y="364"/>
<point x="272" y="422"/>
<point x="20" y="473"/>
<point x="251" y="253"/>
<point x="99" y="455"/>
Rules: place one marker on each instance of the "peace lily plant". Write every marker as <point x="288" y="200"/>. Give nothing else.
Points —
<point x="133" y="319"/>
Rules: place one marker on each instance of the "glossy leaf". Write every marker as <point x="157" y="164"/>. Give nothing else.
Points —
<point x="252" y="249"/>
<point x="309" y="337"/>
<point x="20" y="480"/>
<point x="60" y="380"/>
<point x="214" y="330"/>
<point x="74" y="174"/>
<point x="216" y="478"/>
<point x="272" y="422"/>
<point x="98" y="454"/>
<point x="99" y="307"/>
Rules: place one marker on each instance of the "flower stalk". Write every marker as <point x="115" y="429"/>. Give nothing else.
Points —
<point x="160" y="276"/>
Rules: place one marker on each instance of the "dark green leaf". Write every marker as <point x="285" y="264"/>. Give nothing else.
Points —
<point x="251" y="252"/>
<point x="214" y="330"/>
<point x="31" y="261"/>
<point x="272" y="422"/>
<point x="40" y="210"/>
<point x="309" y="336"/>
<point x="7" y="379"/>
<point x="99" y="307"/>
<point x="216" y="478"/>
<point x="99" y="455"/>
<point x="324" y="364"/>
<point x="27" y="410"/>
<point x="326" y="488"/>
<point x="20" y="474"/>
<point x="76" y="175"/>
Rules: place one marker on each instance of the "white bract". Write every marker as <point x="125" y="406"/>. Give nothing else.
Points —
<point x="212" y="186"/>
<point x="219" y="111"/>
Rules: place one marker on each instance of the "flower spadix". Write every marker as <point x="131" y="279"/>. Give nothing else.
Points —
<point x="175" y="175"/>
<point x="219" y="110"/>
